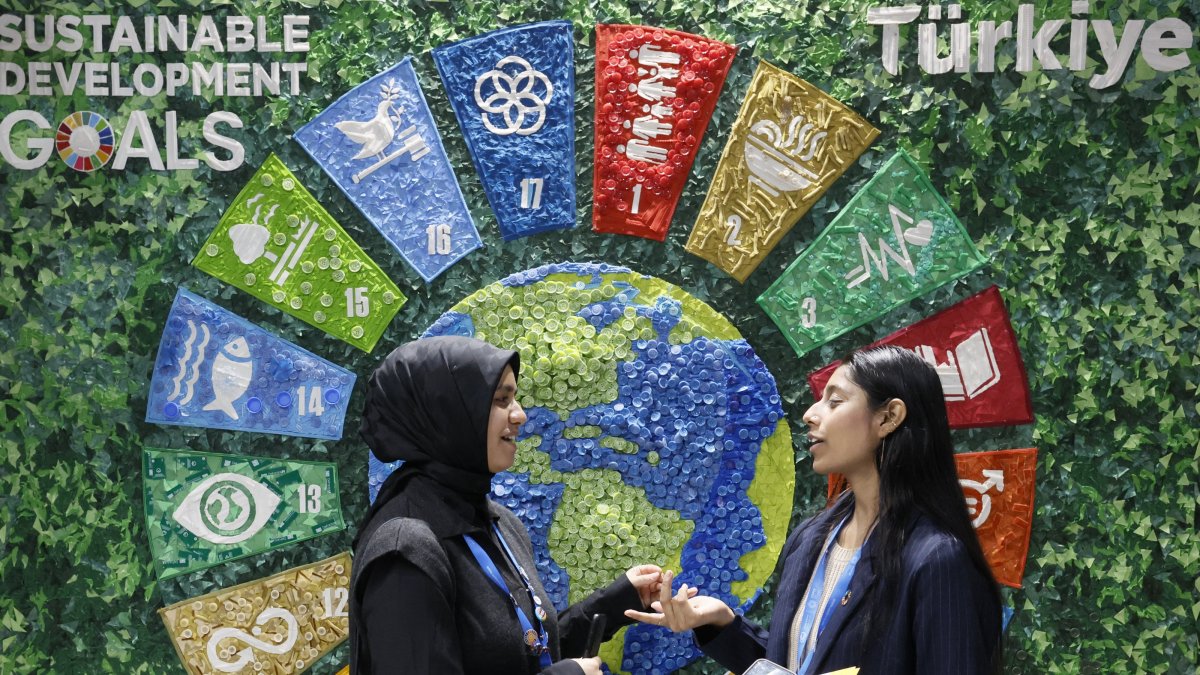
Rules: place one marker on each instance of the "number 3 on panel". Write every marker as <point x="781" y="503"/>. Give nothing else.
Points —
<point x="438" y="239"/>
<point x="809" y="318"/>
<point x="531" y="193"/>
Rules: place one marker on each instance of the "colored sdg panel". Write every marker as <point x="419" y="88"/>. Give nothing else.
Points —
<point x="654" y="433"/>
<point x="277" y="243"/>
<point x="513" y="91"/>
<point x="203" y="509"/>
<point x="380" y="146"/>
<point x="215" y="369"/>
<point x="790" y="143"/>
<point x="896" y="240"/>
<point x="974" y="350"/>
<point x="999" y="487"/>
<point x="655" y="94"/>
<point x="279" y="624"/>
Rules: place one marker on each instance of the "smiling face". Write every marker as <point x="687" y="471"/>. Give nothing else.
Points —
<point x="504" y="423"/>
<point x="843" y="428"/>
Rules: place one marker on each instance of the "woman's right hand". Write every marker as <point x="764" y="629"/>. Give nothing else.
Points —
<point x="590" y="666"/>
<point x="684" y="610"/>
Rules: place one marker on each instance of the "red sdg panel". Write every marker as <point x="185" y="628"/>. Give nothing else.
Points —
<point x="974" y="349"/>
<point x="655" y="93"/>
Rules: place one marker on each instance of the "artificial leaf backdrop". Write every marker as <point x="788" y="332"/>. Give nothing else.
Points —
<point x="1084" y="201"/>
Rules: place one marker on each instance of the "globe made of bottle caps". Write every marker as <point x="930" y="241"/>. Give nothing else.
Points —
<point x="655" y="434"/>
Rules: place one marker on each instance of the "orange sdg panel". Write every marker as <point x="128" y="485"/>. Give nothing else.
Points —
<point x="999" y="487"/>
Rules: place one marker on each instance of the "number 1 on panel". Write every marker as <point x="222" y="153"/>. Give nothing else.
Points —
<point x="637" y="200"/>
<point x="531" y="193"/>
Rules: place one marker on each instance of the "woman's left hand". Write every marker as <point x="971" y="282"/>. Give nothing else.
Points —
<point x="647" y="579"/>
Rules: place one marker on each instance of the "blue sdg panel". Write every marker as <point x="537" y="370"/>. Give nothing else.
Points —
<point x="217" y="370"/>
<point x="513" y="91"/>
<point x="380" y="145"/>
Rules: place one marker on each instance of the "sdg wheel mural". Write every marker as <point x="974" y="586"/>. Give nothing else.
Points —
<point x="655" y="434"/>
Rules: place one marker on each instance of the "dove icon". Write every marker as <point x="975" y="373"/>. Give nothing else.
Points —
<point x="377" y="133"/>
<point x="374" y="135"/>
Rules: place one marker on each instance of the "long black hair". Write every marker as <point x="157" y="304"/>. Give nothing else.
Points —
<point x="916" y="467"/>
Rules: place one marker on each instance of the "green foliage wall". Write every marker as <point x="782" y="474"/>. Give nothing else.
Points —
<point x="1084" y="200"/>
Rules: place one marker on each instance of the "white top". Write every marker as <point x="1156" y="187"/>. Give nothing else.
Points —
<point x="839" y="559"/>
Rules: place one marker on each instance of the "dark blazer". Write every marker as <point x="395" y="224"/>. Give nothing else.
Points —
<point x="946" y="620"/>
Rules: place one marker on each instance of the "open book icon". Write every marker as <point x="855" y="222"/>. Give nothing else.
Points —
<point x="970" y="367"/>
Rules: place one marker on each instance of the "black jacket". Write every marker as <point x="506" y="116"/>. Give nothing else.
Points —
<point x="420" y="604"/>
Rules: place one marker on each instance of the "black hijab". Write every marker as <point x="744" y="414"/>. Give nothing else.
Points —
<point x="428" y="404"/>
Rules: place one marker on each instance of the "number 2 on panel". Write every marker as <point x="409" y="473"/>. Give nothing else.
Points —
<point x="438" y="239"/>
<point x="734" y="225"/>
<point x="531" y="193"/>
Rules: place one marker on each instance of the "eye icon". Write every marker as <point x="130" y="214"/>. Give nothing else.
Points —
<point x="226" y="508"/>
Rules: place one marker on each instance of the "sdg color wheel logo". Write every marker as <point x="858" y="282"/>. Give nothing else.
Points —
<point x="85" y="141"/>
<point x="655" y="434"/>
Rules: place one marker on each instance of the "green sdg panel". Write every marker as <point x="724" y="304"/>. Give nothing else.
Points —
<point x="896" y="240"/>
<point x="203" y="509"/>
<point x="277" y="243"/>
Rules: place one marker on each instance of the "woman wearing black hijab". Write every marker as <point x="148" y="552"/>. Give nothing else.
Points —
<point x="444" y="581"/>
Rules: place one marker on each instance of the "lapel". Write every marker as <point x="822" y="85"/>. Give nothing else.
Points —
<point x="860" y="585"/>
<point x="794" y="578"/>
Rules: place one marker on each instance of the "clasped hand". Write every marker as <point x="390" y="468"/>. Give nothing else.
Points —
<point x="684" y="610"/>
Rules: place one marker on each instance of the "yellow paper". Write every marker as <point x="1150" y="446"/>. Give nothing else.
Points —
<point x="790" y="142"/>
<point x="844" y="671"/>
<point x="279" y="624"/>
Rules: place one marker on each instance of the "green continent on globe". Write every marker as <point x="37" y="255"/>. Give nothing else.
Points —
<point x="602" y="526"/>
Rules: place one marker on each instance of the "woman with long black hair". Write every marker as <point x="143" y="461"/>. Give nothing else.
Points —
<point x="891" y="577"/>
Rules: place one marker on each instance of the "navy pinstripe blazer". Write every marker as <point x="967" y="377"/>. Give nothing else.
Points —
<point x="946" y="621"/>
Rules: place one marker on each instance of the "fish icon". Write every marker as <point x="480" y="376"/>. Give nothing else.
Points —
<point x="231" y="373"/>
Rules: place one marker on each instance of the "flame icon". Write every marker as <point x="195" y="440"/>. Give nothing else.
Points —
<point x="775" y="157"/>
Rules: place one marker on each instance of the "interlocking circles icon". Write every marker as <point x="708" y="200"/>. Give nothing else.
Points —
<point x="517" y="97"/>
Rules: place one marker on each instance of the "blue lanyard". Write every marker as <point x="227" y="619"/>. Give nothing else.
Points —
<point x="538" y="641"/>
<point x="815" y="588"/>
